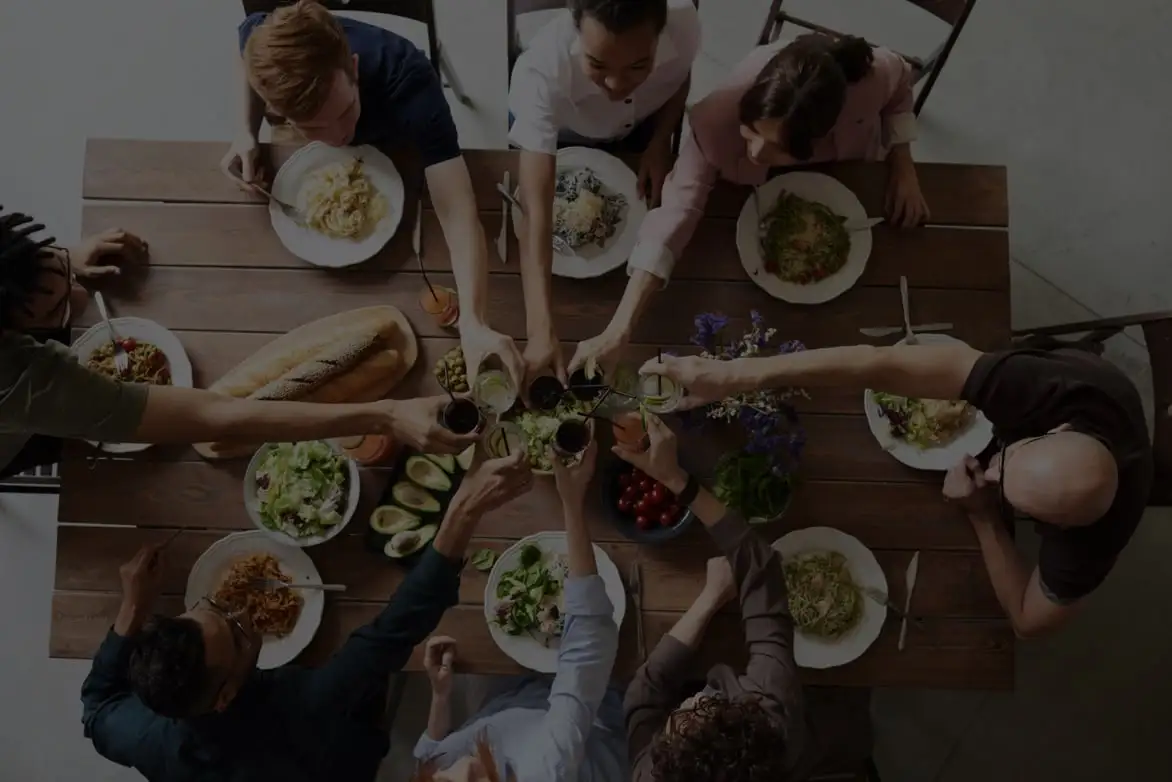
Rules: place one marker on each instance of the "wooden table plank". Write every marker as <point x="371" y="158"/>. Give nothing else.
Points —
<point x="279" y="300"/>
<point x="241" y="235"/>
<point x="135" y="170"/>
<point x="946" y="653"/>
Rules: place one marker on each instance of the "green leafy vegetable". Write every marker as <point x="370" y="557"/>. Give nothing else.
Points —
<point x="484" y="559"/>
<point x="746" y="483"/>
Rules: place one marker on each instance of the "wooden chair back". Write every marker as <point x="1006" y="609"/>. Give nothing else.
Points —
<point x="1157" y="331"/>
<point x="518" y="8"/>
<point x="954" y="13"/>
<point x="414" y="10"/>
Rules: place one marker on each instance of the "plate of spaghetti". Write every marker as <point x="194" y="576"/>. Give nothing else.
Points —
<point x="351" y="199"/>
<point x="156" y="358"/>
<point x="286" y="618"/>
<point x="827" y="575"/>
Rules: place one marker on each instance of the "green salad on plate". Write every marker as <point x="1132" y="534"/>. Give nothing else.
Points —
<point x="301" y="488"/>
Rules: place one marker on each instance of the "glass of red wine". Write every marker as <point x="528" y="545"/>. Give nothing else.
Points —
<point x="572" y="438"/>
<point x="587" y="388"/>
<point x="545" y="392"/>
<point x="462" y="416"/>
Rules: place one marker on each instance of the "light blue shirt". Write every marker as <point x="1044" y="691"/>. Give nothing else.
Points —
<point x="565" y="731"/>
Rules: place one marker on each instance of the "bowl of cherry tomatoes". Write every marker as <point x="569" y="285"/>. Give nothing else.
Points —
<point x="642" y="508"/>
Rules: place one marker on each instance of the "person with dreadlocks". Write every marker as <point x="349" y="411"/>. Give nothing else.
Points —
<point x="46" y="395"/>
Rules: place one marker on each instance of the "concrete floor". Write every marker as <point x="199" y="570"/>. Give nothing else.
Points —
<point x="1067" y="95"/>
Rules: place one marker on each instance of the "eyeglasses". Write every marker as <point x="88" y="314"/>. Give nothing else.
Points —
<point x="240" y="637"/>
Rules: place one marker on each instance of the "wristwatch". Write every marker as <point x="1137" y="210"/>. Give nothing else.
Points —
<point x="691" y="489"/>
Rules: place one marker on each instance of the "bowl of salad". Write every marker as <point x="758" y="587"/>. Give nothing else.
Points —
<point x="538" y="429"/>
<point x="302" y="493"/>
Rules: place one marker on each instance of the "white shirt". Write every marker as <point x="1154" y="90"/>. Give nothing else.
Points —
<point x="551" y="96"/>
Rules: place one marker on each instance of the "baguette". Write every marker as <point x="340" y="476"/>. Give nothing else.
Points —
<point x="310" y="375"/>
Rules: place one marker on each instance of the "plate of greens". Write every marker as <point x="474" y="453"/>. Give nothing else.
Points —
<point x="828" y="574"/>
<point x="746" y="483"/>
<point x="798" y="247"/>
<point x="524" y="600"/>
<point x="301" y="493"/>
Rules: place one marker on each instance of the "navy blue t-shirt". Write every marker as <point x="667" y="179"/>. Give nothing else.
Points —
<point x="402" y="99"/>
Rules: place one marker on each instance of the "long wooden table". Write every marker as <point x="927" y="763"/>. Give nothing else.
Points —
<point x="219" y="278"/>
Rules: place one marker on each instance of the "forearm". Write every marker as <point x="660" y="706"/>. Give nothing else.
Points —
<point x="455" y="206"/>
<point x="192" y="415"/>
<point x="439" y="717"/>
<point x="707" y="508"/>
<point x="900" y="156"/>
<point x="669" y="116"/>
<point x="252" y="109"/>
<point x="641" y="286"/>
<point x="578" y="543"/>
<point x="538" y="172"/>
<point x="690" y="628"/>
<point x="456" y="530"/>
<point x="130" y="619"/>
<point x="1008" y="573"/>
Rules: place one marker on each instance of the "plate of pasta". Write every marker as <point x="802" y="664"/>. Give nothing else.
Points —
<point x="828" y="574"/>
<point x="350" y="199"/>
<point x="596" y="212"/>
<point x="155" y="354"/>
<point x="287" y="619"/>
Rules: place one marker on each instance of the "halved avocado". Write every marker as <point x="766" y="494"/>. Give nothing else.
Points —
<point x="447" y="462"/>
<point x="391" y="519"/>
<point x="404" y="544"/>
<point x="415" y="499"/>
<point x="422" y="471"/>
<point x="465" y="458"/>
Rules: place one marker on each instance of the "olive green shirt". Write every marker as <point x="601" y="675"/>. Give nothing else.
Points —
<point x="43" y="390"/>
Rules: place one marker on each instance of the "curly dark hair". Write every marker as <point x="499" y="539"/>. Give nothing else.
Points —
<point x="722" y="740"/>
<point x="168" y="670"/>
<point x="620" y="16"/>
<point x="20" y="262"/>
<point x="805" y="85"/>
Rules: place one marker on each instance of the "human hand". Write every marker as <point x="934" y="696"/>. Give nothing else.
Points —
<point x="142" y="578"/>
<point x="605" y="350"/>
<point x="416" y="423"/>
<point x="906" y="207"/>
<point x="661" y="460"/>
<point x="704" y="380"/>
<point x="439" y="655"/>
<point x="573" y="480"/>
<point x="493" y="482"/>
<point x="718" y="584"/>
<point x="543" y="354"/>
<point x="654" y="166"/>
<point x="965" y="485"/>
<point x="479" y="342"/>
<point x="242" y="163"/>
<point x="113" y="244"/>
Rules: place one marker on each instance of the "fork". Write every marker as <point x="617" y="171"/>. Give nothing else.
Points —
<point x="559" y="244"/>
<point x="273" y="584"/>
<point x="882" y="599"/>
<point x="290" y="211"/>
<point x="121" y="357"/>
<point x="910" y="338"/>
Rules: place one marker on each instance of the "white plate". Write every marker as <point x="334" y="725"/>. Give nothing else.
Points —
<point x="822" y="189"/>
<point x="942" y="458"/>
<point x="814" y="652"/>
<point x="211" y="568"/>
<point x="525" y="650"/>
<point x="142" y="330"/>
<point x="592" y="260"/>
<point x="252" y="504"/>
<point x="315" y="247"/>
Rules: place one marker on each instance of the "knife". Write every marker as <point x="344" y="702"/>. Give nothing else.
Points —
<point x="863" y="225"/>
<point x="502" y="239"/>
<point x="913" y="570"/>
<point x="887" y="331"/>
<point x="417" y="234"/>
<point x="636" y="580"/>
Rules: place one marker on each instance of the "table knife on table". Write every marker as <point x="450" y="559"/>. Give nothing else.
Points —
<point x="502" y="239"/>
<point x="913" y="570"/>
<point x="636" y="584"/>
<point x="887" y="331"/>
<point x="417" y="235"/>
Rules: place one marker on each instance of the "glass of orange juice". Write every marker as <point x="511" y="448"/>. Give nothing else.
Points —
<point x="441" y="303"/>
<point x="630" y="430"/>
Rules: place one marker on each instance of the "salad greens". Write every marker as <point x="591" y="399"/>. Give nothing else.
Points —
<point x="484" y="559"/>
<point x="540" y="427"/>
<point x="301" y="488"/>
<point x="803" y="241"/>
<point x="530" y="596"/>
<point x="746" y="483"/>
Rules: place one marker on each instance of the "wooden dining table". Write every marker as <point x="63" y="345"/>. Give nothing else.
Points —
<point x="220" y="279"/>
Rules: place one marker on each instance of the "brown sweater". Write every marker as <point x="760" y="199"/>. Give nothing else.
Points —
<point x="826" y="725"/>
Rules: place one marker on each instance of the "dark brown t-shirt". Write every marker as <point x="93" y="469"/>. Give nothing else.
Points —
<point x="1026" y="393"/>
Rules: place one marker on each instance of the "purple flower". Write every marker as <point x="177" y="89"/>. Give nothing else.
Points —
<point x="793" y="346"/>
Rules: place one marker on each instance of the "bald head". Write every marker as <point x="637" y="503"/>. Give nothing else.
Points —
<point x="1066" y="478"/>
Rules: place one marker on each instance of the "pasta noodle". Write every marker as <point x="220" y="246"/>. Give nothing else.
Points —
<point x="341" y="202"/>
<point x="823" y="598"/>
<point x="148" y="364"/>
<point x="583" y="211"/>
<point x="273" y="612"/>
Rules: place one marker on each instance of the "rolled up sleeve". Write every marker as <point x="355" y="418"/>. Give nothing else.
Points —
<point x="899" y="119"/>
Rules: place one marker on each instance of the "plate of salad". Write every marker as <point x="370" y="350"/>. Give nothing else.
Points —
<point x="746" y="483"/>
<point x="301" y="493"/>
<point x="524" y="600"/>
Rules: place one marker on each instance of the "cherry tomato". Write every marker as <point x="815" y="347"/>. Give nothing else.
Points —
<point x="642" y="522"/>
<point x="675" y="510"/>
<point x="632" y="493"/>
<point x="625" y="479"/>
<point x="129" y="343"/>
<point x="625" y="505"/>
<point x="647" y="484"/>
<point x="666" y="519"/>
<point x="658" y="494"/>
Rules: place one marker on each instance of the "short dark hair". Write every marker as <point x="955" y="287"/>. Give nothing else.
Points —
<point x="805" y="85"/>
<point x="168" y="667"/>
<point x="620" y="16"/>
<point x="722" y="740"/>
<point x="20" y="262"/>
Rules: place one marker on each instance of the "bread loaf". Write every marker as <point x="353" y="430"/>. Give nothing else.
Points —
<point x="329" y="363"/>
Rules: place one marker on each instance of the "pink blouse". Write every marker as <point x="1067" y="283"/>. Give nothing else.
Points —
<point x="877" y="114"/>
